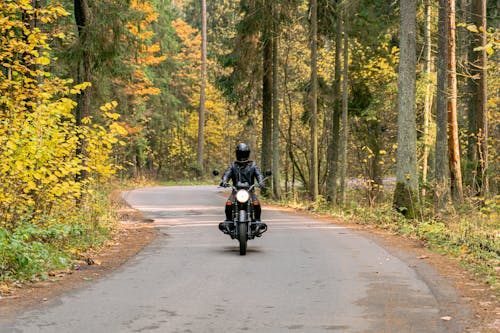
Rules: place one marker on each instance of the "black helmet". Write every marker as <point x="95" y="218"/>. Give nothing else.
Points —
<point x="242" y="152"/>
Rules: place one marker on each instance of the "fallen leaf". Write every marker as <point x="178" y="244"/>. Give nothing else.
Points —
<point x="422" y="257"/>
<point x="447" y="318"/>
<point x="4" y="289"/>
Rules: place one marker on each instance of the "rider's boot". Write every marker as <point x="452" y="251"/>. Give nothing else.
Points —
<point x="227" y="225"/>
<point x="260" y="227"/>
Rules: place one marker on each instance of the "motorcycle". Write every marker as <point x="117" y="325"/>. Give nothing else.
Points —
<point x="243" y="226"/>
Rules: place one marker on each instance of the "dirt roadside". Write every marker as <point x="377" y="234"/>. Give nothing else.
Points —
<point x="135" y="232"/>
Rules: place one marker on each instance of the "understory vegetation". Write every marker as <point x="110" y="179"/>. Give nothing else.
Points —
<point x="30" y="250"/>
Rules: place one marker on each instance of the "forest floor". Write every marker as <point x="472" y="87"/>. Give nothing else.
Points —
<point x="135" y="232"/>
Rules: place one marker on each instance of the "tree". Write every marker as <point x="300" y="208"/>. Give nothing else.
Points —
<point x="276" y="107"/>
<point x="267" y="86"/>
<point x="406" y="191"/>
<point x="333" y="149"/>
<point x="428" y="90"/>
<point x="345" y="122"/>
<point x="84" y="72"/>
<point x="453" y="139"/>
<point x="201" y="114"/>
<point x="441" y="181"/>
<point x="478" y="115"/>
<point x="314" y="188"/>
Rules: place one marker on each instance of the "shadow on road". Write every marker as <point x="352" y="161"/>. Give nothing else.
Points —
<point x="236" y="250"/>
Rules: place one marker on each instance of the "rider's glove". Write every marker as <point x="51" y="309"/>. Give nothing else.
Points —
<point x="223" y="184"/>
<point x="262" y="185"/>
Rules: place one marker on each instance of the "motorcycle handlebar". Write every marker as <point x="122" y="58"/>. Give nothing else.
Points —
<point x="249" y="189"/>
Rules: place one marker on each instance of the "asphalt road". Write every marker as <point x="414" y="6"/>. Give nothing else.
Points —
<point x="303" y="275"/>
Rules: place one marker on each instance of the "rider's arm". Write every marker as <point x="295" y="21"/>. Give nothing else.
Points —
<point x="227" y="174"/>
<point x="258" y="174"/>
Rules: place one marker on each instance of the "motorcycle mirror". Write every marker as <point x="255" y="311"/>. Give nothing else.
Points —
<point x="215" y="172"/>
<point x="268" y="172"/>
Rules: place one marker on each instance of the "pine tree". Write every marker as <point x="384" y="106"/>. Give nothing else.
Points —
<point x="406" y="192"/>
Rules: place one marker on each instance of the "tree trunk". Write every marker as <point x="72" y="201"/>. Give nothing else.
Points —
<point x="314" y="189"/>
<point x="345" y="121"/>
<point x="201" y="114"/>
<point x="441" y="170"/>
<point x="479" y="118"/>
<point x="83" y="68"/>
<point x="428" y="91"/>
<point x="333" y="149"/>
<point x="406" y="192"/>
<point x="374" y="142"/>
<point x="471" y="105"/>
<point x="84" y="73"/>
<point x="289" y="149"/>
<point x="453" y="139"/>
<point x="276" y="110"/>
<point x="33" y="22"/>
<point x="267" y="92"/>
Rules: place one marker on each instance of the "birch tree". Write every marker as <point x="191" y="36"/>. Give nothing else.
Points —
<point x="428" y="90"/>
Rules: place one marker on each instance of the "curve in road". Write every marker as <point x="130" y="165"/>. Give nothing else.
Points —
<point x="303" y="275"/>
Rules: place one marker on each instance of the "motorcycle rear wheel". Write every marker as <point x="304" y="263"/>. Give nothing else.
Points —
<point x="242" y="233"/>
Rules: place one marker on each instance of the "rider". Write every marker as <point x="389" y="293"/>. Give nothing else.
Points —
<point x="242" y="172"/>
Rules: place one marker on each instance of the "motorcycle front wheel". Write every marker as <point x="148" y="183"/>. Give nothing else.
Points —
<point x="242" y="233"/>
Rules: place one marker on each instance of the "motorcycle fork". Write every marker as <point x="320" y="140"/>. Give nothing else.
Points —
<point x="244" y="216"/>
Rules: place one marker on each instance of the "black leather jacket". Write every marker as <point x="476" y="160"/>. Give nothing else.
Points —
<point x="243" y="172"/>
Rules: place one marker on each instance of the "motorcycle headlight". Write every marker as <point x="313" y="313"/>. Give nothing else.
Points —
<point x="242" y="196"/>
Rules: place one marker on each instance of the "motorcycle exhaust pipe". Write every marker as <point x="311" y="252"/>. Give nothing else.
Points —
<point x="224" y="227"/>
<point x="262" y="228"/>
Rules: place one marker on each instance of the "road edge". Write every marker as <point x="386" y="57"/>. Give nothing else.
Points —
<point x="131" y="235"/>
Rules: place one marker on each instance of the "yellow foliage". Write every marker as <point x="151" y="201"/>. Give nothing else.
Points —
<point x="140" y="86"/>
<point x="39" y="137"/>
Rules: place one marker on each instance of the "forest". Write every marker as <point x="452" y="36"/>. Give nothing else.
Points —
<point x="384" y="112"/>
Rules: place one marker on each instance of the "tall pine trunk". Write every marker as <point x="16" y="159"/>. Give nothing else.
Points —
<point x="276" y="109"/>
<point x="333" y="149"/>
<point x="201" y="114"/>
<point x="84" y="73"/>
<point x="314" y="186"/>
<point x="406" y="192"/>
<point x="345" y="120"/>
<point x="441" y="170"/>
<point x="453" y="139"/>
<point x="479" y="117"/>
<point x="267" y="90"/>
